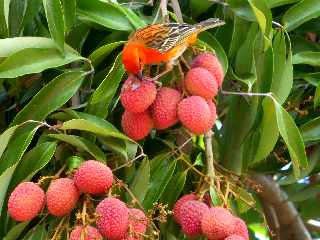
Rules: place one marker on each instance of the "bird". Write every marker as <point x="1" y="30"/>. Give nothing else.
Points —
<point x="161" y="43"/>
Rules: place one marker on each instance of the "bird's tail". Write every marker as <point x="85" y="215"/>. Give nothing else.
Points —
<point x="209" y="23"/>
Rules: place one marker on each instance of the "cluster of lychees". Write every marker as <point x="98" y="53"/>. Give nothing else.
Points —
<point x="147" y="108"/>
<point x="197" y="217"/>
<point x="114" y="219"/>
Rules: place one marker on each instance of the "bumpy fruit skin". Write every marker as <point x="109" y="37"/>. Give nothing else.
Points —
<point x="213" y="111"/>
<point x="62" y="196"/>
<point x="191" y="215"/>
<point x="164" y="108"/>
<point x="199" y="81"/>
<point x="88" y="232"/>
<point x="217" y="223"/>
<point x="26" y="201"/>
<point x="179" y="203"/>
<point x="137" y="221"/>
<point x="234" y="237"/>
<point x="136" y="125"/>
<point x="93" y="177"/>
<point x="211" y="63"/>
<point x="136" y="95"/>
<point x="195" y="114"/>
<point x="241" y="228"/>
<point x="112" y="218"/>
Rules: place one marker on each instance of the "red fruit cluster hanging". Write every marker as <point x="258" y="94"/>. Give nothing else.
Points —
<point x="147" y="108"/>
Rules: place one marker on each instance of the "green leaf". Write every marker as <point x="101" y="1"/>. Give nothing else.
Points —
<point x="89" y="126"/>
<point x="215" y="199"/>
<point x="300" y="13"/>
<point x="316" y="101"/>
<point x="174" y="189"/>
<point x="140" y="183"/>
<point x="283" y="69"/>
<point x="268" y="130"/>
<point x="104" y="13"/>
<point x="16" y="231"/>
<point x="278" y="3"/>
<point x="5" y="179"/>
<point x="102" y="96"/>
<point x="160" y="176"/>
<point x="19" y="64"/>
<point x="116" y="145"/>
<point x="305" y="194"/>
<point x="242" y="9"/>
<point x="51" y="97"/>
<point x="135" y="20"/>
<point x="55" y="18"/>
<point x="32" y="162"/>
<point x="308" y="57"/>
<point x="81" y="143"/>
<point x="39" y="232"/>
<point x="16" y="14"/>
<point x="102" y="52"/>
<point x="292" y="137"/>
<point x="4" y="13"/>
<point x="311" y="130"/>
<point x="69" y="11"/>
<point x="10" y="46"/>
<point x="5" y="137"/>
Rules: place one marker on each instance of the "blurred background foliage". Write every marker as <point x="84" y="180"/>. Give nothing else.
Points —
<point x="60" y="76"/>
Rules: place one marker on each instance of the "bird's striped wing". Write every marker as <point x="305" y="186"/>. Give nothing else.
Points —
<point x="164" y="36"/>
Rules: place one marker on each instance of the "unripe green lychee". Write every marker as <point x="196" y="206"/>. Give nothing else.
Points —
<point x="26" y="201"/>
<point x="217" y="223"/>
<point x="179" y="203"/>
<point x="112" y="218"/>
<point x="136" y="125"/>
<point x="191" y="214"/>
<point x="164" y="108"/>
<point x="85" y="233"/>
<point x="62" y="196"/>
<point x="136" y="95"/>
<point x="211" y="63"/>
<point x="93" y="177"/>
<point x="199" y="81"/>
<point x="195" y="114"/>
<point x="234" y="237"/>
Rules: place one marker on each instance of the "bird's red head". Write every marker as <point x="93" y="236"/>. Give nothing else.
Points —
<point x="133" y="59"/>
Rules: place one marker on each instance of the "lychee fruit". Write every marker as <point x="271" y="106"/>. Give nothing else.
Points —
<point x="234" y="237"/>
<point x="241" y="228"/>
<point x="62" y="196"/>
<point x="112" y="218"/>
<point x="136" y="125"/>
<point x="85" y="233"/>
<point x="26" y="201"/>
<point x="217" y="223"/>
<point x="199" y="81"/>
<point x="137" y="222"/>
<point x="179" y="203"/>
<point x="191" y="214"/>
<point x="93" y="177"/>
<point x="211" y="63"/>
<point x="137" y="95"/>
<point x="164" y="108"/>
<point x="195" y="114"/>
<point x="213" y="110"/>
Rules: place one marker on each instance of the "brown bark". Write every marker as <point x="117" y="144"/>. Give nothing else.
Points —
<point x="290" y="225"/>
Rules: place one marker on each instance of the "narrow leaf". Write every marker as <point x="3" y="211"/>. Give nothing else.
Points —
<point x="5" y="137"/>
<point x="16" y="231"/>
<point x="141" y="180"/>
<point x="69" y="10"/>
<point x="309" y="58"/>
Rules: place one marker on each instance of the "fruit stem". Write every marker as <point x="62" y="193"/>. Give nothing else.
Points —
<point x="209" y="156"/>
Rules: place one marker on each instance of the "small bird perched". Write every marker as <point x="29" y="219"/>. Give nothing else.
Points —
<point x="163" y="42"/>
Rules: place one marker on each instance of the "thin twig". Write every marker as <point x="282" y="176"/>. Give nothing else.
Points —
<point x="164" y="9"/>
<point x="209" y="156"/>
<point x="177" y="10"/>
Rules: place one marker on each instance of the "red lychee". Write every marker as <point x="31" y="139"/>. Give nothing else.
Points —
<point x="217" y="223"/>
<point x="93" y="177"/>
<point x="180" y="202"/>
<point x="85" y="233"/>
<point x="62" y="196"/>
<point x="137" y="221"/>
<point x="213" y="110"/>
<point x="112" y="218"/>
<point x="191" y="214"/>
<point x="234" y="237"/>
<point x="164" y="108"/>
<point x="195" y="114"/>
<point x="136" y="95"/>
<point x="26" y="201"/>
<point x="136" y="125"/>
<point x="211" y="63"/>
<point x="199" y="81"/>
<point x="241" y="228"/>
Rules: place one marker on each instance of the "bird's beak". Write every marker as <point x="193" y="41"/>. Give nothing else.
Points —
<point x="139" y="75"/>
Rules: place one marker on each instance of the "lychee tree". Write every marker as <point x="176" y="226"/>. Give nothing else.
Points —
<point x="224" y="146"/>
